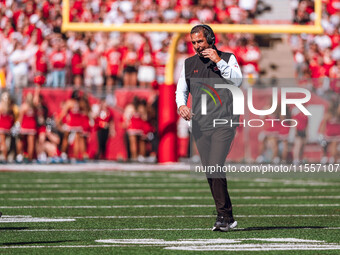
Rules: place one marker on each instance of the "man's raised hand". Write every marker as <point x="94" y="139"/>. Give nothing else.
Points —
<point x="212" y="54"/>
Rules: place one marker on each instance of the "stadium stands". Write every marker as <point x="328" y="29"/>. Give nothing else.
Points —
<point x="33" y="45"/>
<point x="34" y="52"/>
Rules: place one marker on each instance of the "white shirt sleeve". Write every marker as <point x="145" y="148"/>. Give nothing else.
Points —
<point x="182" y="90"/>
<point x="230" y="71"/>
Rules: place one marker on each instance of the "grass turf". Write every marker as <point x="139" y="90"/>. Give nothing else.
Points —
<point x="100" y="194"/>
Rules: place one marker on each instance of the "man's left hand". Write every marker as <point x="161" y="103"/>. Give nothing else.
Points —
<point x="212" y="54"/>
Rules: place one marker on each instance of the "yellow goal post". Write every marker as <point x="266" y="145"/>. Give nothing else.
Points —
<point x="167" y="151"/>
<point x="179" y="29"/>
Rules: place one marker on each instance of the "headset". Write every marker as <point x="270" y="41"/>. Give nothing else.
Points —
<point x="210" y="36"/>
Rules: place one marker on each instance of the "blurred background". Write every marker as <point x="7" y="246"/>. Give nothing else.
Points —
<point x="79" y="96"/>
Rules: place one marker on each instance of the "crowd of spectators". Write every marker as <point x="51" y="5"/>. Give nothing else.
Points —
<point x="317" y="57"/>
<point x="317" y="67"/>
<point x="34" y="50"/>
<point x="31" y="132"/>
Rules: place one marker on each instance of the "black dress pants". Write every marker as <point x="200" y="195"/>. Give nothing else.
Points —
<point x="213" y="147"/>
<point x="102" y="135"/>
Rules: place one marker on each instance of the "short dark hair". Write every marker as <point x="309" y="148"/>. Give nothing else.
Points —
<point x="198" y="29"/>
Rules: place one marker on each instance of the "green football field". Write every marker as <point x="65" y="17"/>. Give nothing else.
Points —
<point x="163" y="213"/>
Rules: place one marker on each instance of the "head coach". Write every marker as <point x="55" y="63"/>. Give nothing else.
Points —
<point x="199" y="75"/>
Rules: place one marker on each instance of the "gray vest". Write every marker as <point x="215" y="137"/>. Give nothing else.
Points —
<point x="201" y="74"/>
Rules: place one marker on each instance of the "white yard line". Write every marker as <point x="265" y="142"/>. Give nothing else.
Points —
<point x="291" y="181"/>
<point x="203" y="216"/>
<point x="28" y="217"/>
<point x="86" y="191"/>
<point x="112" y="229"/>
<point x="159" y="180"/>
<point x="165" y="198"/>
<point x="138" y="229"/>
<point x="257" y="247"/>
<point x="231" y="244"/>
<point x="104" y="185"/>
<point x="33" y="219"/>
<point x="61" y="246"/>
<point x="114" y="184"/>
<point x="234" y="247"/>
<point x="104" y="198"/>
<point x="119" y="190"/>
<point x="217" y="241"/>
<point x="113" y="180"/>
<point x="162" y="206"/>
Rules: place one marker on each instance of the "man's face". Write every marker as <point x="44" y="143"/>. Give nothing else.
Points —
<point x="199" y="42"/>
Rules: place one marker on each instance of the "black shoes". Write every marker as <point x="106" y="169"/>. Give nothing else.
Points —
<point x="224" y="224"/>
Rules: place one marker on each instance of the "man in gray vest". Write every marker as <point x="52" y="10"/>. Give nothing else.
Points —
<point x="199" y="76"/>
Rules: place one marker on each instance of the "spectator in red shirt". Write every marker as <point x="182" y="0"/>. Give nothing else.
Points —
<point x="86" y="120"/>
<point x="330" y="130"/>
<point x="70" y="119"/>
<point x="327" y="60"/>
<point x="40" y="67"/>
<point x="28" y="128"/>
<point x="105" y="127"/>
<point x="235" y="13"/>
<point x="161" y="57"/>
<point x="93" y="70"/>
<point x="77" y="68"/>
<point x="334" y="74"/>
<point x="6" y="121"/>
<point x="333" y="6"/>
<point x="250" y="55"/>
<point x="130" y="63"/>
<point x="146" y="70"/>
<point x="58" y="62"/>
<point x="114" y="58"/>
<point x="318" y="72"/>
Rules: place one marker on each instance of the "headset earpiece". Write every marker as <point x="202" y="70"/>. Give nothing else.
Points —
<point x="210" y="36"/>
